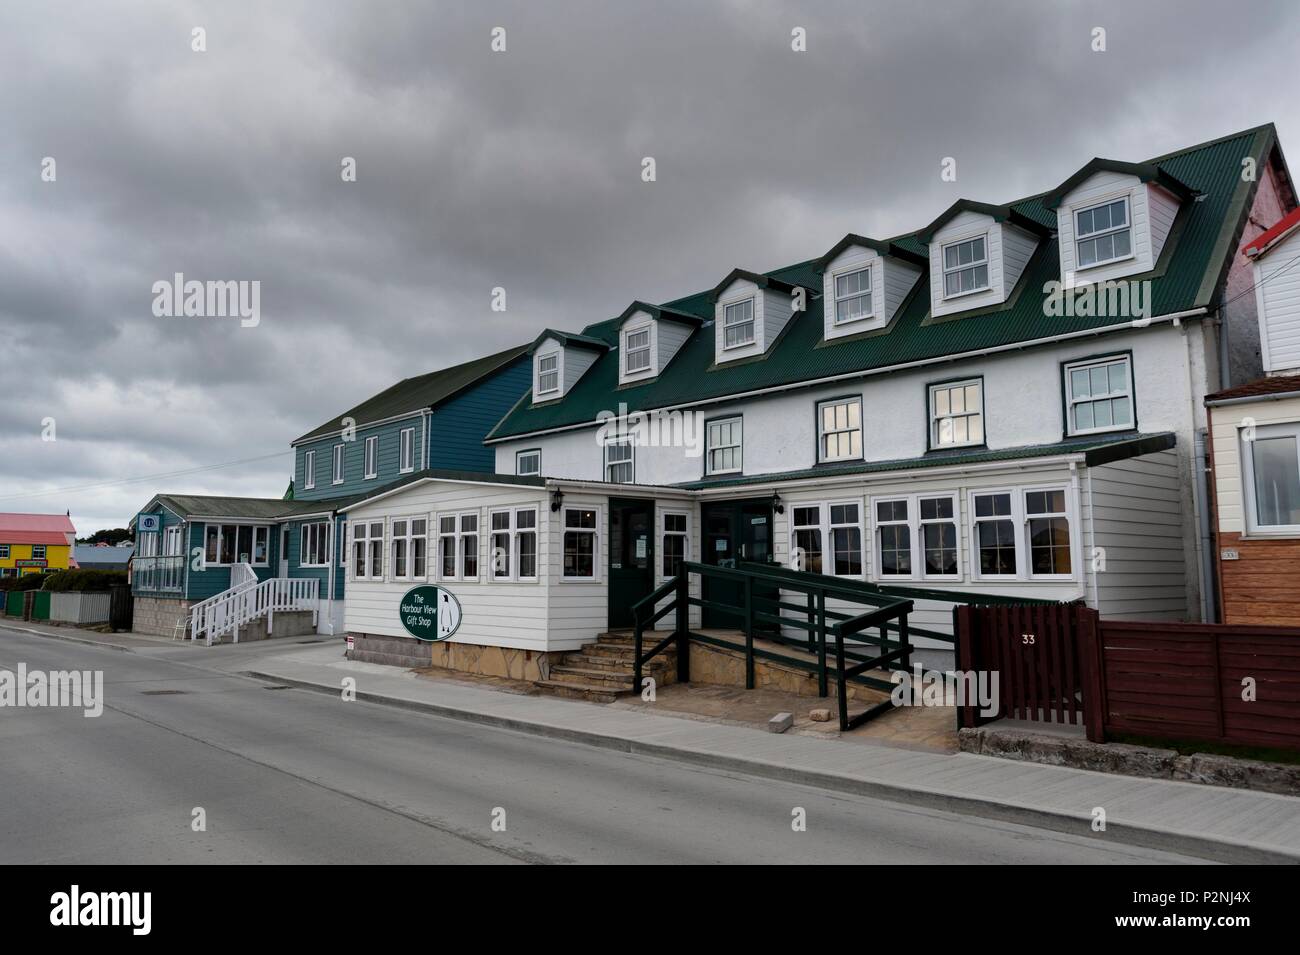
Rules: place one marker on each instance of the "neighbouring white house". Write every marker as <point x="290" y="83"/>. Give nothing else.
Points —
<point x="1009" y="400"/>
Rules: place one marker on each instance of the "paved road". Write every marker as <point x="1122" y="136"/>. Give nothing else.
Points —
<point x="287" y="775"/>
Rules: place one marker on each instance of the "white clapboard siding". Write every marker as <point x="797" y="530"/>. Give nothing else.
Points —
<point x="1136" y="516"/>
<point x="1277" y="296"/>
<point x="1228" y="421"/>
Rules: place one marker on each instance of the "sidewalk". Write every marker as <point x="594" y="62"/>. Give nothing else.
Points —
<point x="1223" y="824"/>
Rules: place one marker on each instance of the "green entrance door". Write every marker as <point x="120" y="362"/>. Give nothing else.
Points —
<point x="734" y="531"/>
<point x="631" y="558"/>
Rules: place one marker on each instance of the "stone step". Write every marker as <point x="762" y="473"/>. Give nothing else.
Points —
<point x="571" y="674"/>
<point x="624" y="650"/>
<point x="592" y="692"/>
<point x="627" y="638"/>
<point x="602" y="662"/>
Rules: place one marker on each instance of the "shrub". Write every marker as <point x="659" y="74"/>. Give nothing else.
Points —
<point x="28" y="582"/>
<point x="84" y="580"/>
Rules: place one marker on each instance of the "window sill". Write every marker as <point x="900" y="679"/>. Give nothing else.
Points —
<point x="959" y="295"/>
<point x="1102" y="265"/>
<point x="1092" y="431"/>
<point x="579" y="580"/>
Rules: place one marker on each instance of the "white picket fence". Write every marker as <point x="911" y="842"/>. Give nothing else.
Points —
<point x="247" y="600"/>
<point x="79" y="608"/>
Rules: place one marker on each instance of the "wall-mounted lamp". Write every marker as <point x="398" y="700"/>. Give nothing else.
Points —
<point x="777" y="505"/>
<point x="557" y="498"/>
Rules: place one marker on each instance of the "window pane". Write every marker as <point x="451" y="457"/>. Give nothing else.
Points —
<point x="847" y="542"/>
<point x="1277" y="480"/>
<point x="1083" y="416"/>
<point x="895" y="549"/>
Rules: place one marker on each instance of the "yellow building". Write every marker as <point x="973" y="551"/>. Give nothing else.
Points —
<point x="35" y="543"/>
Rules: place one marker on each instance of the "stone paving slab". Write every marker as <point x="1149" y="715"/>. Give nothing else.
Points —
<point x="1229" y="825"/>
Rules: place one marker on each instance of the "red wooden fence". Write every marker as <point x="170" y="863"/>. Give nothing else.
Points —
<point x="1206" y="682"/>
<point x="1034" y="650"/>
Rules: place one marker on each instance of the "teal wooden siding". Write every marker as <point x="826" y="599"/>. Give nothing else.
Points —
<point x="321" y="574"/>
<point x="461" y="424"/>
<point x="210" y="581"/>
<point x="354" y="460"/>
<point x="168" y="520"/>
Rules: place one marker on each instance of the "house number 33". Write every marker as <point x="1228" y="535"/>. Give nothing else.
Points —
<point x="1027" y="639"/>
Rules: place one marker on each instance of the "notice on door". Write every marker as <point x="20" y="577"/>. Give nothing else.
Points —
<point x="430" y="613"/>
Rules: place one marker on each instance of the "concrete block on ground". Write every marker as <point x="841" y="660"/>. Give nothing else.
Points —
<point x="780" y="723"/>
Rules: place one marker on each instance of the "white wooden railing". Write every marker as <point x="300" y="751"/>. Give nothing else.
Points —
<point x="249" y="600"/>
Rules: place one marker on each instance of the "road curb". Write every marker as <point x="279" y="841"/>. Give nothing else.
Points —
<point x="67" y="638"/>
<point x="1150" y="837"/>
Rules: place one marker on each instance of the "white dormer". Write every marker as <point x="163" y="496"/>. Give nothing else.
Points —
<point x="1112" y="219"/>
<point x="863" y="284"/>
<point x="559" y="360"/>
<point x="648" y="338"/>
<point x="749" y="313"/>
<point x="978" y="253"/>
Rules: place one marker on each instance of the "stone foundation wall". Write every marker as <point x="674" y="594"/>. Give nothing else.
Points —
<point x="722" y="667"/>
<point x="465" y="657"/>
<point x="157" y="615"/>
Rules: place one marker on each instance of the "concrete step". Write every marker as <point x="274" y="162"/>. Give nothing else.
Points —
<point x="620" y="678"/>
<point x="592" y="692"/>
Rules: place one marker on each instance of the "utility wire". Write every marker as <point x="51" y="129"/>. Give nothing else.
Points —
<point x="145" y="477"/>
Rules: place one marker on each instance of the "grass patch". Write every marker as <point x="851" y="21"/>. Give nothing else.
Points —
<point x="1266" y="754"/>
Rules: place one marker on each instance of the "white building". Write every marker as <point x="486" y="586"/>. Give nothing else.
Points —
<point x="1009" y="400"/>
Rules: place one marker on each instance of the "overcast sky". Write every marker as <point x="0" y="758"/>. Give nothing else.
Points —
<point x="519" y="169"/>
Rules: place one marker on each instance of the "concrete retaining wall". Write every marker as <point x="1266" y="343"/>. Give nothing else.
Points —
<point x="158" y="615"/>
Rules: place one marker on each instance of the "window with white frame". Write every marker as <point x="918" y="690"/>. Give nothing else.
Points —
<point x="723" y="445"/>
<point x="148" y="546"/>
<point x="309" y="470"/>
<point x="846" y="539"/>
<point x="993" y="524"/>
<point x="528" y="462"/>
<point x="4" y="552"/>
<point x="1271" y="478"/>
<point x="548" y="373"/>
<point x="1048" y="526"/>
<point x="965" y="267"/>
<point x="580" y="544"/>
<point x="619" y="465"/>
<point x="738" y="324"/>
<point x="957" y="413"/>
<point x="337" y="473"/>
<point x="372" y="457"/>
<point x="525" y="531"/>
<point x="675" y="548"/>
<point x="502" y="543"/>
<point x="458" y="546"/>
<point x="408" y="548"/>
<point x="806" y="531"/>
<point x="314" y="549"/>
<point x="853" y="296"/>
<point x="226" y="544"/>
<point x="1099" y="395"/>
<point x="368" y="550"/>
<point x="172" y="544"/>
<point x="893" y="538"/>
<point x="406" y="452"/>
<point x="636" y="350"/>
<point x="839" y="423"/>
<point x="39" y="552"/>
<point x="938" y="536"/>
<point x="1102" y="234"/>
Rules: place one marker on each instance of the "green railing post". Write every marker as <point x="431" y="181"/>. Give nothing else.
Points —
<point x="843" y="689"/>
<point x="812" y="623"/>
<point x="906" y="658"/>
<point x="683" y="599"/>
<point x="823" y="690"/>
<point x="749" y="632"/>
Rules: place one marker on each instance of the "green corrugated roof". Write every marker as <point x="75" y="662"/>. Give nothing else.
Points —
<point x="418" y="393"/>
<point x="1095" y="451"/>
<point x="1188" y="275"/>
<point x="239" y="508"/>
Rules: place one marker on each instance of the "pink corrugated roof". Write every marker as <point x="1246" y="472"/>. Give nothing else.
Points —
<point x="36" y="529"/>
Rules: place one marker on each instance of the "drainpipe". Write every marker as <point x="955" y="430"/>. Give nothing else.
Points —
<point x="1197" y="477"/>
<point x="334" y="562"/>
<point x="1201" y="479"/>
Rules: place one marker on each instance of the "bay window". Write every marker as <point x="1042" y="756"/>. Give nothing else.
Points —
<point x="1049" y="533"/>
<point x="225" y="544"/>
<point x="893" y="538"/>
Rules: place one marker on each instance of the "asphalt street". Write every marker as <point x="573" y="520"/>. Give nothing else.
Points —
<point x="283" y="775"/>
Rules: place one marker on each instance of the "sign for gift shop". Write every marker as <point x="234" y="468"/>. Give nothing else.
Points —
<point x="430" y="613"/>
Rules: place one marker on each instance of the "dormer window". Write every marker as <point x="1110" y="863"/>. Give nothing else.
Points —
<point x="636" y="351"/>
<point x="965" y="267"/>
<point x="738" y="324"/>
<point x="853" y="296"/>
<point x="1103" y="234"/>
<point x="548" y="374"/>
